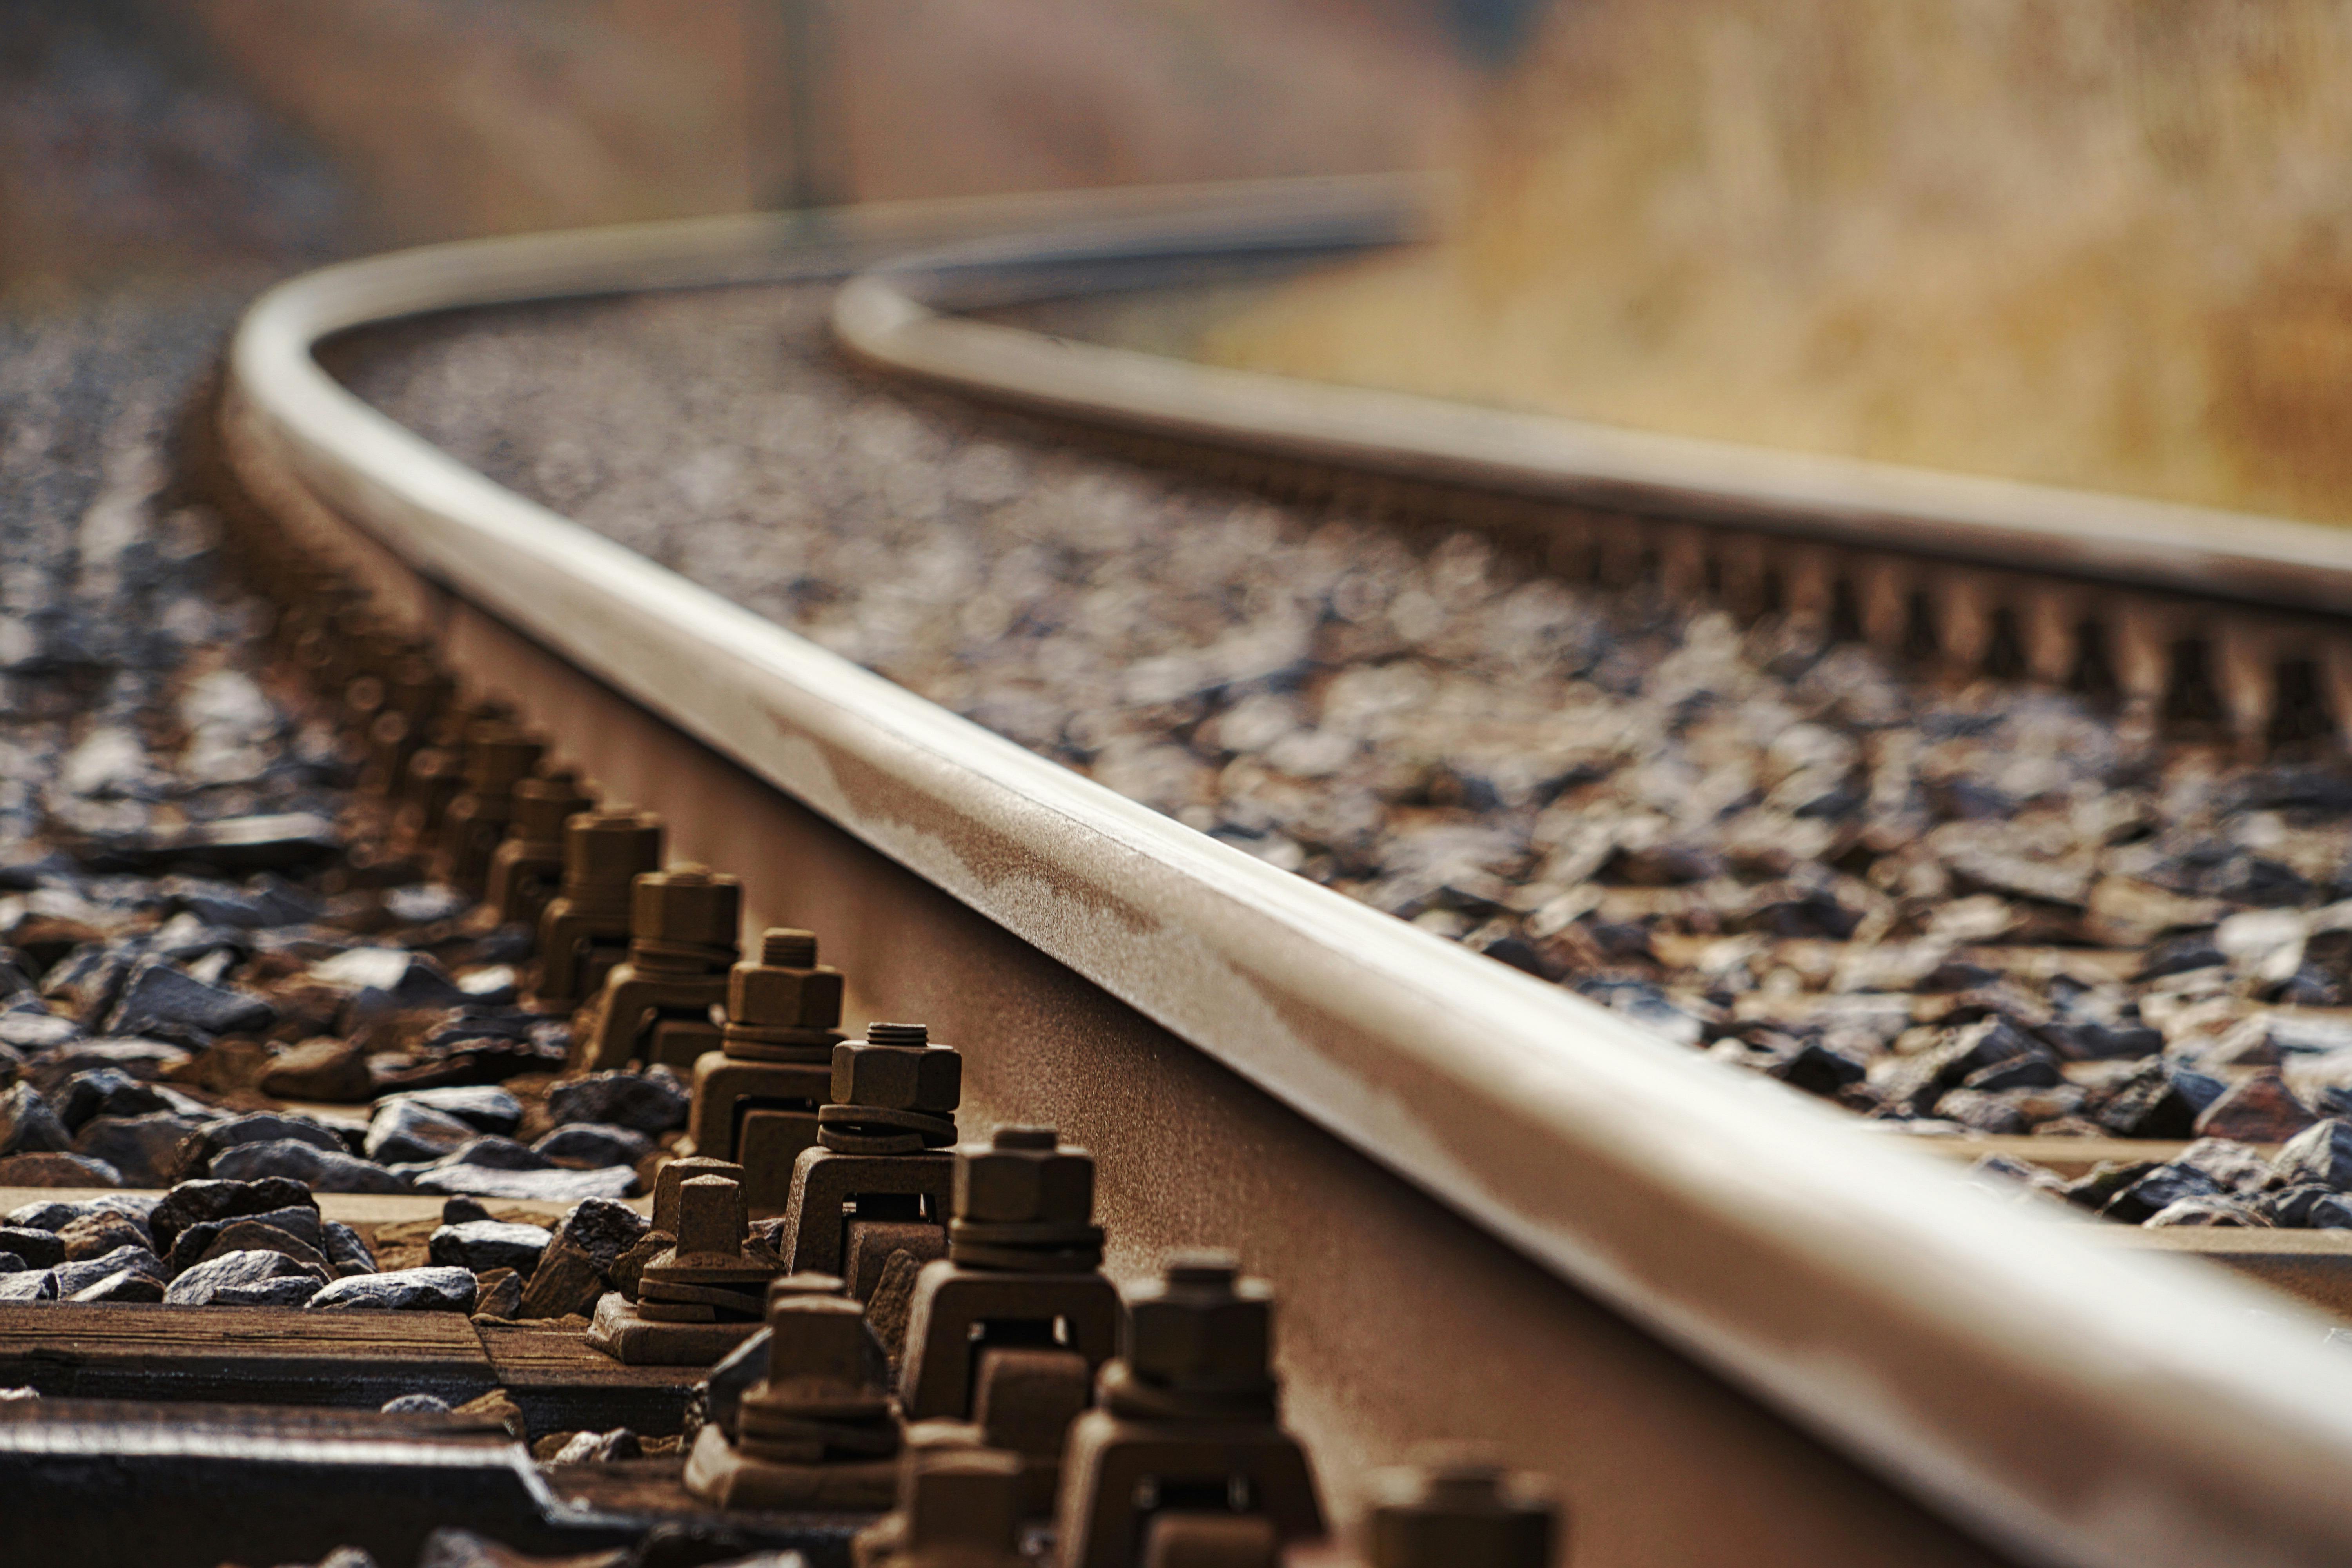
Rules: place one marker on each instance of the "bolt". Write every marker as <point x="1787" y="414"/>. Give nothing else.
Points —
<point x="893" y="1069"/>
<point x="784" y="988"/>
<point x="711" y="1219"/>
<point x="1458" y="1504"/>
<point x="542" y="805"/>
<point x="605" y="851"/>
<point x="1203" y="1330"/>
<point x="966" y="1497"/>
<point x="498" y="757"/>
<point x="819" y="1344"/>
<point x="1025" y="1175"/>
<point x="676" y="1174"/>
<point x="684" y="913"/>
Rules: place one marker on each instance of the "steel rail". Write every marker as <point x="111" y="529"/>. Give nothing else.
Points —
<point x="2066" y="1404"/>
<point x="903" y="315"/>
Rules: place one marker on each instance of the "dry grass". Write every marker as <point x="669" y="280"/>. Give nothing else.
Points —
<point x="2105" y="243"/>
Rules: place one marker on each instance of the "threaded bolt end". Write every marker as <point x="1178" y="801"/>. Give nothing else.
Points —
<point x="898" y="1034"/>
<point x="783" y="947"/>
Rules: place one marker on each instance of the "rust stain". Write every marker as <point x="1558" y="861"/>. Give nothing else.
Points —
<point x="997" y="859"/>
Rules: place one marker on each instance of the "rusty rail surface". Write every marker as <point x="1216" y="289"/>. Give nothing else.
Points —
<point x="1256" y="1059"/>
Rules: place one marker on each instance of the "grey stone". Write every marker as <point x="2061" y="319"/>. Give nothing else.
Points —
<point x="402" y="1290"/>
<point x="650" y="1102"/>
<point x="73" y="1277"/>
<point x="252" y="1236"/>
<point x="38" y="1248"/>
<point x="462" y="1210"/>
<point x="416" y="1404"/>
<point x="603" y="1229"/>
<point x="197" y="1201"/>
<point x="404" y="1130"/>
<point x="123" y="1285"/>
<point x="165" y="1001"/>
<point x="143" y="1059"/>
<point x="11" y="1264"/>
<point x="255" y="1127"/>
<point x="485" y="1244"/>
<point x="56" y="1214"/>
<point x="39" y="1284"/>
<point x="2158" y="1189"/>
<point x="554" y="1186"/>
<point x="320" y="1170"/>
<point x="598" y="1447"/>
<point x="105" y="1091"/>
<point x="482" y="1107"/>
<point x="2306" y="1206"/>
<point x="496" y="1155"/>
<point x="243" y="1279"/>
<point x="28" y="1125"/>
<point x="346" y="1250"/>
<point x="2207" y="1212"/>
<point x="299" y="1222"/>
<point x="146" y="1149"/>
<point x="592" y="1144"/>
<point x="387" y="980"/>
<point x="2234" y="1167"/>
<point x="2321" y="1153"/>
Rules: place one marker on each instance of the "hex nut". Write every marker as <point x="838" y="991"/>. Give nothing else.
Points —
<point x="927" y="1079"/>
<point x="766" y="999"/>
<point x="686" y="904"/>
<point x="1460" y="1507"/>
<point x="821" y="1344"/>
<point x="1013" y="1180"/>
<point x="962" y="1497"/>
<point x="1202" y="1329"/>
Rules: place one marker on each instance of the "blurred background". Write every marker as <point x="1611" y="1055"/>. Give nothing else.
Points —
<point x="2096" y="243"/>
<point x="147" y="139"/>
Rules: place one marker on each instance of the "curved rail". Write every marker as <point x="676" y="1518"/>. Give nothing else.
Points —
<point x="902" y="315"/>
<point x="2064" y="1403"/>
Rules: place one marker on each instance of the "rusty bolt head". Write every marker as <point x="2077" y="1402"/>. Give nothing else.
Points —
<point x="962" y="1497"/>
<point x="542" y="805"/>
<point x="499" y="755"/>
<point x="676" y="1174"/>
<point x="1025" y="1175"/>
<point x="821" y="1344"/>
<point x="1204" y="1328"/>
<point x="786" y="988"/>
<point x="710" y="1217"/>
<point x="609" y="849"/>
<point x="1458" y="1504"/>
<point x="686" y="904"/>
<point x="928" y="1078"/>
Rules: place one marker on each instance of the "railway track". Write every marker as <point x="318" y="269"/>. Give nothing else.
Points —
<point x="1726" y="1323"/>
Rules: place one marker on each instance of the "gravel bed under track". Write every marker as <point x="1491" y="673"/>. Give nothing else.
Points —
<point x="1989" y="908"/>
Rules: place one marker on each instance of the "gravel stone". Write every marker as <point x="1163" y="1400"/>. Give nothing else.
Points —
<point x="2321" y="1153"/>
<point x="259" y="1279"/>
<point x="203" y="1201"/>
<point x="28" y="1125"/>
<point x="554" y="1186"/>
<point x="404" y="1131"/>
<point x="483" y="1108"/>
<point x="123" y="1285"/>
<point x="404" y="1290"/>
<point x="650" y="1102"/>
<point x="325" y="1069"/>
<point x="587" y="1144"/>
<point x="57" y="1171"/>
<point x="96" y="1235"/>
<point x="74" y="1277"/>
<point x="165" y="1001"/>
<point x="105" y="1091"/>
<point x="37" y="1248"/>
<point x="487" y="1244"/>
<point x="416" y="1404"/>
<point x="146" y="1149"/>
<point x="29" y="1286"/>
<point x="320" y="1170"/>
